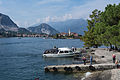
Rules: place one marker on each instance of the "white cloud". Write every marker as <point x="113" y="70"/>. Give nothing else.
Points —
<point x="24" y="24"/>
<point x="1" y="3"/>
<point x="83" y="11"/>
<point x="57" y="18"/>
<point x="67" y="16"/>
<point x="60" y="10"/>
<point x="38" y="20"/>
<point x="79" y="11"/>
<point x="42" y="2"/>
<point x="46" y="19"/>
<point x="17" y="22"/>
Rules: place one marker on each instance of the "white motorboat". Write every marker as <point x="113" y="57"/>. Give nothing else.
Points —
<point x="59" y="52"/>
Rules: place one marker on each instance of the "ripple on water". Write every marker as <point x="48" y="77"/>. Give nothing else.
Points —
<point x="21" y="59"/>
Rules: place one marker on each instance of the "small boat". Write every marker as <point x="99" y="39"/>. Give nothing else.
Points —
<point x="58" y="52"/>
<point x="19" y="37"/>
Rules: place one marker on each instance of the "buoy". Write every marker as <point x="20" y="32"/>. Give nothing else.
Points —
<point x="55" y="69"/>
<point x="77" y="68"/>
<point x="92" y="68"/>
<point x="46" y="70"/>
<point x="36" y="78"/>
<point x="65" y="68"/>
<point x="68" y="69"/>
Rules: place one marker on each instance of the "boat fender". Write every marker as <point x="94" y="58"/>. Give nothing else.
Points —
<point x="92" y="68"/>
<point x="77" y="68"/>
<point x="55" y="69"/>
<point x="46" y="70"/>
<point x="65" y="68"/>
<point x="70" y="69"/>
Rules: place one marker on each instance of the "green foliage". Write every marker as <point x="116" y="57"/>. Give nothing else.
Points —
<point x="104" y="28"/>
<point x="90" y="37"/>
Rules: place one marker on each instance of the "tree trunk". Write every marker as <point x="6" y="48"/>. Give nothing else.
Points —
<point x="95" y="46"/>
<point x="116" y="48"/>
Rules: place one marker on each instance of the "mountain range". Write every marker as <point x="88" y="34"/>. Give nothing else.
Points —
<point x="51" y="28"/>
<point x="75" y="25"/>
<point x="6" y="24"/>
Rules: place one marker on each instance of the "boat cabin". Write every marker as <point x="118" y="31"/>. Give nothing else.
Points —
<point x="53" y="51"/>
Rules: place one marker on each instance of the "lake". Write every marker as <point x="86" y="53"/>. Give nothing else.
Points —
<point x="21" y="59"/>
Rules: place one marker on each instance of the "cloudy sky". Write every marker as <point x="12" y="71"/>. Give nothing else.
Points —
<point x="29" y="12"/>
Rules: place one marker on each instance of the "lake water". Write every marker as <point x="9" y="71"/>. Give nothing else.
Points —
<point x="21" y="59"/>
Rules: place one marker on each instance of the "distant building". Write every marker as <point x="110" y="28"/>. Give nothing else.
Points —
<point x="69" y="33"/>
<point x="74" y="34"/>
<point x="63" y="34"/>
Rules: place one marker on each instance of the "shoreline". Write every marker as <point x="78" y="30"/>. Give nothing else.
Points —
<point x="102" y="55"/>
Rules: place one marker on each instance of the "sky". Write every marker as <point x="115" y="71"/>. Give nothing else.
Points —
<point x="26" y="13"/>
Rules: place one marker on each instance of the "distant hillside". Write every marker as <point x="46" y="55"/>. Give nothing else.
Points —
<point x="7" y="24"/>
<point x="23" y="31"/>
<point x="75" y="25"/>
<point x="43" y="28"/>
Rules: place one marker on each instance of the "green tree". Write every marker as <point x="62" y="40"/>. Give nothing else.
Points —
<point x="90" y="38"/>
<point x="104" y="28"/>
<point x="111" y="18"/>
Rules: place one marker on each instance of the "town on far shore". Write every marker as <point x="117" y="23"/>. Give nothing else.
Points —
<point x="62" y="35"/>
<point x="69" y="35"/>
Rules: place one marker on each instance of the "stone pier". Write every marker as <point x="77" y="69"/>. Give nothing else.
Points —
<point x="79" y="67"/>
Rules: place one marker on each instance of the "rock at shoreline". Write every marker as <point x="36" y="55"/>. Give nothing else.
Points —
<point x="113" y="74"/>
<point x="100" y="75"/>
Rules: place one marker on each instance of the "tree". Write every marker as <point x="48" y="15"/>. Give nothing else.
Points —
<point x="90" y="38"/>
<point x="104" y="28"/>
<point x="111" y="18"/>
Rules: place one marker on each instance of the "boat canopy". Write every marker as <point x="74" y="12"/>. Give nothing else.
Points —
<point x="53" y="51"/>
<point x="64" y="49"/>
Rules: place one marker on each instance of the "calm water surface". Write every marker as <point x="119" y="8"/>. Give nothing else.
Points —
<point x="21" y="59"/>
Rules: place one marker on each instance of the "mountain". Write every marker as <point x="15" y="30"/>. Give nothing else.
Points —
<point x="43" y="28"/>
<point x="75" y="25"/>
<point x="2" y="30"/>
<point x="23" y="31"/>
<point x="7" y="24"/>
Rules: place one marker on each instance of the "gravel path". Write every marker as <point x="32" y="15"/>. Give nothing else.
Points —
<point x="107" y="55"/>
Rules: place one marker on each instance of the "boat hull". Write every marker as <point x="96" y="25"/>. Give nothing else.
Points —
<point x="58" y="55"/>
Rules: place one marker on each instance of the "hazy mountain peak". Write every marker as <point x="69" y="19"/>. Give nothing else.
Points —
<point x="7" y="24"/>
<point x="75" y="25"/>
<point x="43" y="28"/>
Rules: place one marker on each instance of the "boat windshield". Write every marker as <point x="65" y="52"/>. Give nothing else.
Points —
<point x="65" y="51"/>
<point x="51" y="51"/>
